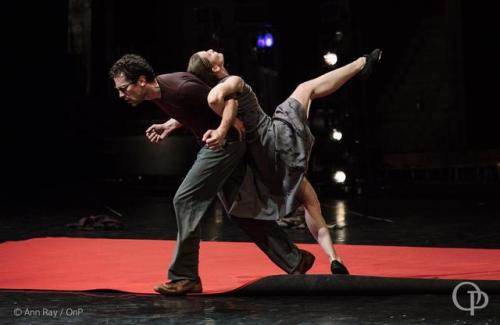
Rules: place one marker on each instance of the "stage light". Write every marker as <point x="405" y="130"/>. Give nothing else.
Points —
<point x="339" y="176"/>
<point x="261" y="43"/>
<point x="338" y="36"/>
<point x="336" y="135"/>
<point x="265" y="40"/>
<point x="330" y="58"/>
<point x="268" y="39"/>
<point x="340" y="212"/>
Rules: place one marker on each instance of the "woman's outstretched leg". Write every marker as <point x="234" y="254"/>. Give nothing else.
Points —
<point x="331" y="81"/>
<point x="317" y="225"/>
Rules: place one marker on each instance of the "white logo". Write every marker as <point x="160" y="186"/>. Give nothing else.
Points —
<point x="475" y="296"/>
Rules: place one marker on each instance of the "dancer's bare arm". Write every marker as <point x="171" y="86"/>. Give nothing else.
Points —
<point x="215" y="139"/>
<point x="219" y="93"/>
<point x="158" y="132"/>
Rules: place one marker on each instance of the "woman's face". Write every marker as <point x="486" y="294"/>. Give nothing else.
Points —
<point x="215" y="58"/>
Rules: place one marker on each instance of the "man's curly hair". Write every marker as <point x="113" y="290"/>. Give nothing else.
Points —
<point x="132" y="66"/>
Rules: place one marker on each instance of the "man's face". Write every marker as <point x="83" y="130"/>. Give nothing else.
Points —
<point x="129" y="91"/>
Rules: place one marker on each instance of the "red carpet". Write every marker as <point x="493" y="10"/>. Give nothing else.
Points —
<point x="76" y="264"/>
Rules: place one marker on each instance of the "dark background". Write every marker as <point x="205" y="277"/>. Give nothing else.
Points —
<point x="427" y="118"/>
<point x="422" y="129"/>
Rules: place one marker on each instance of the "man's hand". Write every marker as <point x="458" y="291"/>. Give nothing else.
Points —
<point x="214" y="139"/>
<point x="158" y="132"/>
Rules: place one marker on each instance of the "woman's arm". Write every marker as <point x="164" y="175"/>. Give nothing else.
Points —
<point x="219" y="93"/>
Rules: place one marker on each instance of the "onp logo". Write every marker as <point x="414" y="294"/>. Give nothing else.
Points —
<point x="475" y="297"/>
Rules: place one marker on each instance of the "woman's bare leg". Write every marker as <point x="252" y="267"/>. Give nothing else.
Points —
<point x="327" y="83"/>
<point x="314" y="219"/>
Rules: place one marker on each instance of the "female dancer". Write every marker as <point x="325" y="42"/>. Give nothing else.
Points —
<point x="280" y="145"/>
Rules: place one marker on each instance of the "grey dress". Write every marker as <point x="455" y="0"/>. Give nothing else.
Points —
<point x="278" y="151"/>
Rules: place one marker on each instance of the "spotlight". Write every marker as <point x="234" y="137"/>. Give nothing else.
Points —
<point x="336" y="135"/>
<point x="338" y="36"/>
<point x="268" y="39"/>
<point x="330" y="58"/>
<point x="340" y="212"/>
<point x="339" y="176"/>
<point x="261" y="43"/>
<point x="265" y="40"/>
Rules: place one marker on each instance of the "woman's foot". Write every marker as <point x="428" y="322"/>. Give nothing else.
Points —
<point x="338" y="268"/>
<point x="371" y="59"/>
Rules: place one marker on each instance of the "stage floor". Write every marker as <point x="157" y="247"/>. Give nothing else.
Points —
<point x="464" y="223"/>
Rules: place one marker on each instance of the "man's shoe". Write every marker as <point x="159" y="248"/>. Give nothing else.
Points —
<point x="179" y="287"/>
<point x="338" y="268"/>
<point x="305" y="264"/>
<point x="371" y="59"/>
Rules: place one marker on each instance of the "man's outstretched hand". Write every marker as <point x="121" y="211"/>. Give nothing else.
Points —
<point x="157" y="132"/>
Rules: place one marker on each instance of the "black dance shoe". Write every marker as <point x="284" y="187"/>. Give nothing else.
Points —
<point x="338" y="268"/>
<point x="371" y="60"/>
